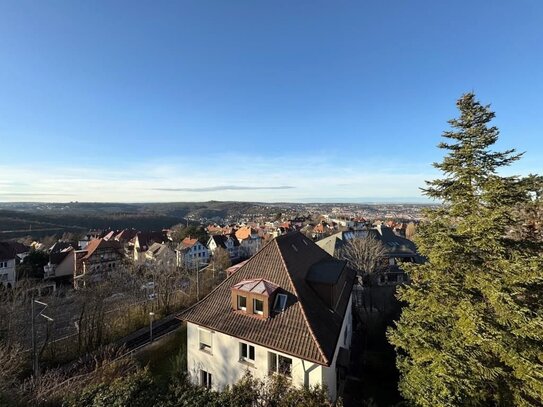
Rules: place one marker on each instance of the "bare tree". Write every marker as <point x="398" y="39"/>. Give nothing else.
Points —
<point x="12" y="360"/>
<point x="90" y="322"/>
<point x="220" y="260"/>
<point x="364" y="255"/>
<point x="167" y="283"/>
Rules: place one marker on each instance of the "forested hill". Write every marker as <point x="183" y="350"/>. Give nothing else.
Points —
<point x="39" y="219"/>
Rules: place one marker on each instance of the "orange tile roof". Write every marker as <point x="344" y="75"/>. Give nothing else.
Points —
<point x="244" y="232"/>
<point x="188" y="242"/>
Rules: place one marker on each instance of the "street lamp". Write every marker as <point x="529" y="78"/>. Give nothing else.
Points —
<point x="151" y="315"/>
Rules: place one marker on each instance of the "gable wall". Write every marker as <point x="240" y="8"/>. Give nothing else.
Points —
<point x="226" y="368"/>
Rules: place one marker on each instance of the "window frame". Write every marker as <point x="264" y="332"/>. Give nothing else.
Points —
<point x="274" y="365"/>
<point x="245" y="352"/>
<point x="277" y="304"/>
<point x="202" y="345"/>
<point x="206" y="379"/>
<point x="255" y="311"/>
<point x="238" y="300"/>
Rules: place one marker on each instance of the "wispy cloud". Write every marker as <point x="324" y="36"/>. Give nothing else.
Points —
<point x="223" y="188"/>
<point x="273" y="179"/>
<point x="30" y="194"/>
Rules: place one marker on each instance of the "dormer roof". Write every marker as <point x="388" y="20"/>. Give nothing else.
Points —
<point x="256" y="286"/>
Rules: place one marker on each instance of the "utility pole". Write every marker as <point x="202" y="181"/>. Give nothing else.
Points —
<point x="34" y="359"/>
<point x="35" y="362"/>
<point x="197" y="279"/>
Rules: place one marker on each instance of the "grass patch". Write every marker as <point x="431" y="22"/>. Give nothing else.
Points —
<point x="167" y="356"/>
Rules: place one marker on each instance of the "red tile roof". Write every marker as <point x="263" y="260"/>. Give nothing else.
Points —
<point x="188" y="242"/>
<point x="96" y="244"/>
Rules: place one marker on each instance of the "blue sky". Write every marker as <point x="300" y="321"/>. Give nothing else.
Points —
<point x="254" y="100"/>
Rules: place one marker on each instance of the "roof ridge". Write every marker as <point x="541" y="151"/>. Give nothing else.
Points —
<point x="218" y="285"/>
<point x="301" y="305"/>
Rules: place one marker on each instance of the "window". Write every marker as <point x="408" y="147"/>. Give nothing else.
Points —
<point x="205" y="340"/>
<point x="279" y="364"/>
<point x="247" y="352"/>
<point x="280" y="302"/>
<point x="3" y="264"/>
<point x="258" y="306"/>
<point x="205" y="379"/>
<point x="242" y="302"/>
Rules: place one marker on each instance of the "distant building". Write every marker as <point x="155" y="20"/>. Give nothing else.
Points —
<point x="8" y="256"/>
<point x="333" y="244"/>
<point x="191" y="253"/>
<point x="143" y="240"/>
<point x="11" y="254"/>
<point x="99" y="258"/>
<point x="161" y="253"/>
<point x="62" y="261"/>
<point x="230" y="243"/>
<point x="249" y="241"/>
<point x="286" y="311"/>
<point x="398" y="250"/>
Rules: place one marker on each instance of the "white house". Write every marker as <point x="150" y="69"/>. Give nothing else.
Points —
<point x="61" y="263"/>
<point x="230" y="243"/>
<point x="286" y="311"/>
<point x="143" y="240"/>
<point x="191" y="253"/>
<point x="8" y="256"/>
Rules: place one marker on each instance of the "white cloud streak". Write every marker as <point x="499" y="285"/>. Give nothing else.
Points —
<point x="244" y="178"/>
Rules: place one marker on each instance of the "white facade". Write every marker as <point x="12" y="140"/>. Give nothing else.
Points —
<point x="196" y="255"/>
<point x="8" y="278"/>
<point x="248" y="247"/>
<point x="65" y="268"/>
<point x="217" y="359"/>
<point x="230" y="247"/>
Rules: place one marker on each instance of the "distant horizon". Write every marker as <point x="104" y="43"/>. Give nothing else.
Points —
<point x="361" y="201"/>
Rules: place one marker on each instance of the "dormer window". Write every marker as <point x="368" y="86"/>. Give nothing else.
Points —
<point x="258" y="306"/>
<point x="242" y="303"/>
<point x="280" y="303"/>
<point x="254" y="297"/>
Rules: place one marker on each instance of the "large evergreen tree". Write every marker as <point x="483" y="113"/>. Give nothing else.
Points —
<point x="471" y="331"/>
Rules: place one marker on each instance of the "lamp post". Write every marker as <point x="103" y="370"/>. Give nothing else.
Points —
<point x="151" y="316"/>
